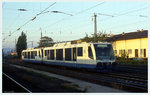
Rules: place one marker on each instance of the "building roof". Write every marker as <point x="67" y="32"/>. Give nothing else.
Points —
<point x="127" y="36"/>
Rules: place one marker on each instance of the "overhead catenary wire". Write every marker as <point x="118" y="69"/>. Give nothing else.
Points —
<point x="127" y="24"/>
<point x="29" y="20"/>
<point x="80" y="12"/>
<point x="125" y="13"/>
<point x="89" y="8"/>
<point x="122" y="14"/>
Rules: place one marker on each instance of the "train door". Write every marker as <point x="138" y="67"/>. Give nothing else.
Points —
<point x="42" y="53"/>
<point x="74" y="54"/>
<point x="144" y="52"/>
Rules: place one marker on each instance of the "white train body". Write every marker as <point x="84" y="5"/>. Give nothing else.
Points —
<point x="83" y="55"/>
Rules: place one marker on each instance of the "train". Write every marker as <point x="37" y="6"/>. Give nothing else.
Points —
<point x="80" y="55"/>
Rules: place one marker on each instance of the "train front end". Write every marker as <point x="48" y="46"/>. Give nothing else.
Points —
<point x="105" y="58"/>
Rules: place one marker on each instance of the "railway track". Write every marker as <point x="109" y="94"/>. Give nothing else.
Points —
<point x="12" y="86"/>
<point x="127" y="81"/>
<point x="131" y="69"/>
<point x="124" y="82"/>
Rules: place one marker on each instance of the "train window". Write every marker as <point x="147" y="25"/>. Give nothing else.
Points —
<point x="80" y="51"/>
<point x="35" y="53"/>
<point x="39" y="54"/>
<point x="45" y="52"/>
<point x="25" y="56"/>
<point x="103" y="50"/>
<point x="28" y="55"/>
<point x="129" y="51"/>
<point x="115" y="51"/>
<point x="144" y="52"/>
<point x="52" y="54"/>
<point x="74" y="54"/>
<point x="32" y="55"/>
<point x="59" y="54"/>
<point x="68" y="54"/>
<point x="90" y="54"/>
<point x="48" y="54"/>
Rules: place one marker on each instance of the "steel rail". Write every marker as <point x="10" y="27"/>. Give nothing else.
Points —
<point x="97" y="77"/>
<point x="17" y="83"/>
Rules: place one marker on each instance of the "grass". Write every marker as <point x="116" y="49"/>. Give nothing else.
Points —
<point x="44" y="76"/>
<point x="69" y="86"/>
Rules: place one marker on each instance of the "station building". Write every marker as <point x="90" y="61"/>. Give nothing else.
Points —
<point x="133" y="44"/>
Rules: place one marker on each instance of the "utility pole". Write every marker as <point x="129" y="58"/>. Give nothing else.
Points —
<point x="41" y="33"/>
<point x="32" y="44"/>
<point x="95" y="25"/>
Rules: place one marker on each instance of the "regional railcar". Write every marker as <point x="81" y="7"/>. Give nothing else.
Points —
<point x="83" y="55"/>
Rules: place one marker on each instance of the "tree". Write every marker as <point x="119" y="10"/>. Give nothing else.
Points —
<point x="46" y="41"/>
<point x="21" y="44"/>
<point x="101" y="36"/>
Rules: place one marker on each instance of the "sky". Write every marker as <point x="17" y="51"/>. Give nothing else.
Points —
<point x="127" y="17"/>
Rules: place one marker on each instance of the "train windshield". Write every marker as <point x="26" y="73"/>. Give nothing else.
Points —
<point x="104" y="51"/>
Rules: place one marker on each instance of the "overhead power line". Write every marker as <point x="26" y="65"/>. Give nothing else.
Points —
<point x="127" y="24"/>
<point x="131" y="11"/>
<point x="29" y="20"/>
<point x="82" y="11"/>
<point x="125" y="13"/>
<point x="89" y="8"/>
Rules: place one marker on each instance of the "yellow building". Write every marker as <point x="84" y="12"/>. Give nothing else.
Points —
<point x="133" y="44"/>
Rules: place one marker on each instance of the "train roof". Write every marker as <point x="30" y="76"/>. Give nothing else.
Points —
<point x="81" y="43"/>
<point x="31" y="49"/>
<point x="67" y="44"/>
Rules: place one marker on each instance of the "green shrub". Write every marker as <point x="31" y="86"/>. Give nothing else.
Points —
<point x="131" y="61"/>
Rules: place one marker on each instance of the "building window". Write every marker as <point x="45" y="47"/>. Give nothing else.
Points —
<point x="80" y="51"/>
<point x="141" y="52"/>
<point x="136" y="53"/>
<point x="120" y="51"/>
<point x="115" y="51"/>
<point x="129" y="51"/>
<point x="124" y="51"/>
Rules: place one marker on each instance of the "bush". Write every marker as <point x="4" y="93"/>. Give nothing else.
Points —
<point x="131" y="61"/>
